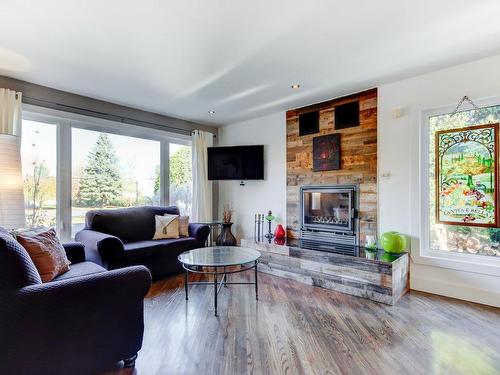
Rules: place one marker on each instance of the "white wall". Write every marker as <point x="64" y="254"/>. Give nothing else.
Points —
<point x="398" y="155"/>
<point x="257" y="196"/>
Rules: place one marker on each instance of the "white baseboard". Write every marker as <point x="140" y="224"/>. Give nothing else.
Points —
<point x="459" y="291"/>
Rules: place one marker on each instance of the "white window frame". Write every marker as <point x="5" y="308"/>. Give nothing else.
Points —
<point x="65" y="122"/>
<point x="481" y="264"/>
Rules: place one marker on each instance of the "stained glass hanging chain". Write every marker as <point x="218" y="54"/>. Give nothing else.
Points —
<point x="465" y="98"/>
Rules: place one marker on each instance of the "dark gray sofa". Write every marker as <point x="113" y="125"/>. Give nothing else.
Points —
<point x="82" y="322"/>
<point x="121" y="237"/>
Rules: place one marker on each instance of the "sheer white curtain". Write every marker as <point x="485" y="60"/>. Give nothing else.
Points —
<point x="11" y="116"/>
<point x="202" y="188"/>
<point x="11" y="181"/>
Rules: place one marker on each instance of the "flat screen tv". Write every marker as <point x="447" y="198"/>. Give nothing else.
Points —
<point x="236" y="163"/>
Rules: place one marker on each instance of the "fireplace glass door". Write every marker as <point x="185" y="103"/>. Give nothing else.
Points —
<point x="328" y="209"/>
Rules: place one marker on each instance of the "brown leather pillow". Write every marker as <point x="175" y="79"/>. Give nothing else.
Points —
<point x="47" y="253"/>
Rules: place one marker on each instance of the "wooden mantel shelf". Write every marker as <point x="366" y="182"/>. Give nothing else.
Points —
<point x="384" y="280"/>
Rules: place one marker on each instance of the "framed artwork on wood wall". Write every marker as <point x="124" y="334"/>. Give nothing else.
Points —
<point x="467" y="176"/>
<point x="326" y="153"/>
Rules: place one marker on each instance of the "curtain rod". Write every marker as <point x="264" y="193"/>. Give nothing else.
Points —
<point x="35" y="101"/>
<point x="214" y="135"/>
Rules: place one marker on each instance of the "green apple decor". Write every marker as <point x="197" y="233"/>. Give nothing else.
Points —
<point x="393" y="242"/>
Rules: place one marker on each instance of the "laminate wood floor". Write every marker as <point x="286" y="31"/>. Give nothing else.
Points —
<point x="299" y="329"/>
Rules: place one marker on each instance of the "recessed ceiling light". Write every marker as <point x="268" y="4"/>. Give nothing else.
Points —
<point x="295" y="86"/>
<point x="212" y="112"/>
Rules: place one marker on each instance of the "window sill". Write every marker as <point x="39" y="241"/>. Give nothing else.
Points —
<point x="479" y="264"/>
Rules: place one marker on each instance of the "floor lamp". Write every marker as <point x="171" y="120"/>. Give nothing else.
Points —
<point x="12" y="215"/>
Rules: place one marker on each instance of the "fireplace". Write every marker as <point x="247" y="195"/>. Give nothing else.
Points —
<point x="329" y="212"/>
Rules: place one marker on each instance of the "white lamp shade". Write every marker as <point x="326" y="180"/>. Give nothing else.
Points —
<point x="12" y="214"/>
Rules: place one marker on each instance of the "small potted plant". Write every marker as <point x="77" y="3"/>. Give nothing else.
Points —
<point x="226" y="238"/>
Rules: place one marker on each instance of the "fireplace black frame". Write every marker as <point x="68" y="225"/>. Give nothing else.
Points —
<point x="329" y="232"/>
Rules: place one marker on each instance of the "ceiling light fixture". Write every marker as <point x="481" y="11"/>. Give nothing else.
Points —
<point x="295" y="86"/>
<point x="211" y="112"/>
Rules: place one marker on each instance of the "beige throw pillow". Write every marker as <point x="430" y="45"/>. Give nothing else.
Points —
<point x="47" y="253"/>
<point x="166" y="227"/>
<point x="184" y="226"/>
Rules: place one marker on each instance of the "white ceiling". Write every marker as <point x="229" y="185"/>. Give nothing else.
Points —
<point x="186" y="57"/>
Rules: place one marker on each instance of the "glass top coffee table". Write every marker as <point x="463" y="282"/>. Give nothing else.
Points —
<point x="215" y="261"/>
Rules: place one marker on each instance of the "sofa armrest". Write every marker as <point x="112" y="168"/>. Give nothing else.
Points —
<point x="199" y="231"/>
<point x="100" y="248"/>
<point x="102" y="311"/>
<point x="75" y="251"/>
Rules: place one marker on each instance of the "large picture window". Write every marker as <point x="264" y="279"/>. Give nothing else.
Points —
<point x="463" y="160"/>
<point x="39" y="165"/>
<point x="181" y="182"/>
<point x="72" y="164"/>
<point x="111" y="171"/>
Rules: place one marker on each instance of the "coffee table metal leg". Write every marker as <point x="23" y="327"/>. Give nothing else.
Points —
<point x="215" y="295"/>
<point x="186" y="276"/>
<point x="256" y="287"/>
<point x="225" y="278"/>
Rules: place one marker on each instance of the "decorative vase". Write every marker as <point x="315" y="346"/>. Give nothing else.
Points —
<point x="279" y="241"/>
<point x="370" y="254"/>
<point x="225" y="237"/>
<point x="371" y="242"/>
<point x="279" y="232"/>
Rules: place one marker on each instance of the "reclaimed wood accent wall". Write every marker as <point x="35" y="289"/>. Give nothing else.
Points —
<point x="358" y="158"/>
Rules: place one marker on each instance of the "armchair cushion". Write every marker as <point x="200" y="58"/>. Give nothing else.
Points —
<point x="80" y="269"/>
<point x="142" y="249"/>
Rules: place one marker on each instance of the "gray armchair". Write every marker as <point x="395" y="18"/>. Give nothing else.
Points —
<point x="84" y="321"/>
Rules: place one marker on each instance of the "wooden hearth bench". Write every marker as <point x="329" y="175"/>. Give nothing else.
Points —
<point x="354" y="270"/>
